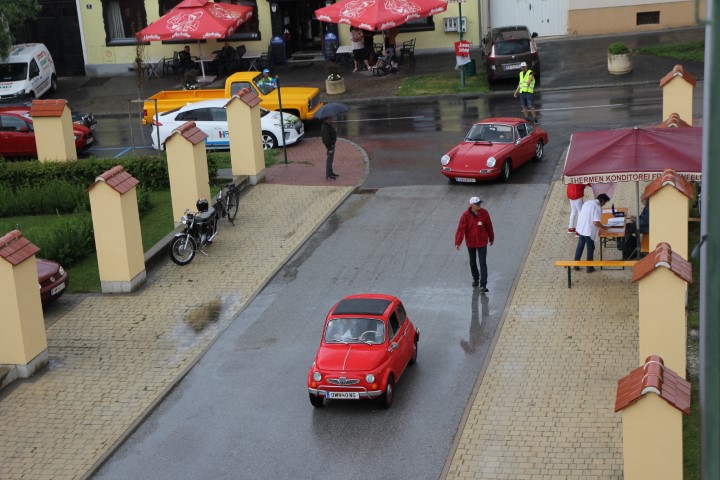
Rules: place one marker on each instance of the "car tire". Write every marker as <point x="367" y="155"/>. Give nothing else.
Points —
<point x="413" y="359"/>
<point x="539" y="151"/>
<point x="268" y="140"/>
<point x="386" y="399"/>
<point x="53" y="84"/>
<point x="316" y="401"/>
<point x="505" y="172"/>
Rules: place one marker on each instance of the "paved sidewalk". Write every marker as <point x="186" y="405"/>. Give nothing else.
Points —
<point x="114" y="357"/>
<point x="544" y="407"/>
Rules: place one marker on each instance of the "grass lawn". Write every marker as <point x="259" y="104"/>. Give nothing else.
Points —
<point x="440" y="83"/>
<point x="693" y="51"/>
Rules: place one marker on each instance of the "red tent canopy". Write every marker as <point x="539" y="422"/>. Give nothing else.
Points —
<point x="196" y="20"/>
<point x="633" y="154"/>
<point x="378" y="15"/>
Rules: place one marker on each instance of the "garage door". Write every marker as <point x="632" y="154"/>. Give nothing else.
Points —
<point x="546" y="17"/>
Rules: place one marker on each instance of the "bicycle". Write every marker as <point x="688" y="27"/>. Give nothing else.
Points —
<point x="227" y="204"/>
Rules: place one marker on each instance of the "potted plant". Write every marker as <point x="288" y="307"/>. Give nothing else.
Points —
<point x="190" y="81"/>
<point x="619" y="60"/>
<point x="334" y="83"/>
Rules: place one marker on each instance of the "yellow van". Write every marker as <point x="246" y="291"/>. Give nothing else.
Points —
<point x="28" y="71"/>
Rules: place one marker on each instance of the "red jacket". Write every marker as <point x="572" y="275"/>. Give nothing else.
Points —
<point x="576" y="190"/>
<point x="476" y="228"/>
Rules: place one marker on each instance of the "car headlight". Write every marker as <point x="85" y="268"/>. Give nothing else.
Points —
<point x="369" y="378"/>
<point x="61" y="271"/>
<point x="491" y="162"/>
<point x="317" y="376"/>
<point x="445" y="159"/>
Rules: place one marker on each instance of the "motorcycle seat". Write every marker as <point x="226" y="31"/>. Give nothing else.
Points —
<point x="206" y="216"/>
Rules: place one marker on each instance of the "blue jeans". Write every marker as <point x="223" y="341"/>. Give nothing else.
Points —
<point x="478" y="254"/>
<point x="582" y="241"/>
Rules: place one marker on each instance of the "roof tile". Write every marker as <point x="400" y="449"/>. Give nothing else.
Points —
<point x="47" y="108"/>
<point x="191" y="133"/>
<point x="15" y="248"/>
<point x="662" y="256"/>
<point x="653" y="377"/>
<point x="117" y="179"/>
<point x="249" y="97"/>
<point x="673" y="121"/>
<point x="669" y="177"/>
<point x="678" y="71"/>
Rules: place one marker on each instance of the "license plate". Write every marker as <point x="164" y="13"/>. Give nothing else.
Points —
<point x="466" y="180"/>
<point x="58" y="289"/>
<point x="512" y="66"/>
<point x="343" y="395"/>
<point x="89" y="141"/>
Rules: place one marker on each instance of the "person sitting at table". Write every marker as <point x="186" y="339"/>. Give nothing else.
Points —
<point x="186" y="60"/>
<point x="588" y="228"/>
<point x="644" y="218"/>
<point x="224" y="60"/>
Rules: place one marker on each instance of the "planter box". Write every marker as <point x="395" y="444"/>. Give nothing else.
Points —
<point x="619" y="64"/>
<point x="335" y="87"/>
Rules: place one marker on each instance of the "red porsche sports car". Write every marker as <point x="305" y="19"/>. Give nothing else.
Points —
<point x="367" y="342"/>
<point x="493" y="148"/>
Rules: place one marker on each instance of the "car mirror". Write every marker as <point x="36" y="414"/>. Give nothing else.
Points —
<point x="24" y="130"/>
<point x="393" y="346"/>
<point x="534" y="35"/>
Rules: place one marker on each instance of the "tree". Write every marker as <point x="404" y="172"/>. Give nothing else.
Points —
<point x="14" y="13"/>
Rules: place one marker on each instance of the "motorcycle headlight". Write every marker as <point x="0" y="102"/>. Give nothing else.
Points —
<point x="491" y="162"/>
<point x="445" y="159"/>
<point x="369" y="378"/>
<point x="184" y="220"/>
<point x="317" y="376"/>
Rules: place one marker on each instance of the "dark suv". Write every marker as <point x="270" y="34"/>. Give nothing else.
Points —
<point x="505" y="48"/>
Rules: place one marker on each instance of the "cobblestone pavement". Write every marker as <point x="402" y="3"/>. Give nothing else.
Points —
<point x="544" y="407"/>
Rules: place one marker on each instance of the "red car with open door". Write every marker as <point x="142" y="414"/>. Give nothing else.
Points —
<point x="367" y="343"/>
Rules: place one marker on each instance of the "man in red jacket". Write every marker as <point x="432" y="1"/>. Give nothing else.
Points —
<point x="476" y="228"/>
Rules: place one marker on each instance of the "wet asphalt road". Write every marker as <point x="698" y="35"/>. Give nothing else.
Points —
<point x="243" y="411"/>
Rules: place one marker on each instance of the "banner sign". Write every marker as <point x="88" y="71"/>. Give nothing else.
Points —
<point x="462" y="48"/>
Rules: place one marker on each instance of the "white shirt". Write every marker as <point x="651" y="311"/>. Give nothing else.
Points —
<point x="591" y="212"/>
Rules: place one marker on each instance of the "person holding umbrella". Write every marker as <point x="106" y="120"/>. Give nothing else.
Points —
<point x="329" y="134"/>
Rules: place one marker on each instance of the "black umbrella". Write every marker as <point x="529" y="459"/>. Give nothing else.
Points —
<point x="331" y="109"/>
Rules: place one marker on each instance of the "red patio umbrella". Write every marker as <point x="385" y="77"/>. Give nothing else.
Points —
<point x="196" y="20"/>
<point x="378" y="15"/>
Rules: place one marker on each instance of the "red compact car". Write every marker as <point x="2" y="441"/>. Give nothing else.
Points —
<point x="17" y="135"/>
<point x="493" y="148"/>
<point x="52" y="279"/>
<point x="367" y="343"/>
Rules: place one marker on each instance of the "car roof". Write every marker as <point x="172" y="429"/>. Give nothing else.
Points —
<point x="515" y="32"/>
<point x="363" y="305"/>
<point x="215" y="103"/>
<point x="509" y="120"/>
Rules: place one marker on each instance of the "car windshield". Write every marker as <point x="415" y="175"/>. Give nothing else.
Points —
<point x="490" y="132"/>
<point x="12" y="72"/>
<point x="355" y="330"/>
<point x="512" y="47"/>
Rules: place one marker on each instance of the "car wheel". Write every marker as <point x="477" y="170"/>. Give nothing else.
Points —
<point x="539" y="151"/>
<point x="269" y="141"/>
<point x="413" y="359"/>
<point x="316" y="401"/>
<point x="505" y="173"/>
<point x="53" y="84"/>
<point x="387" y="397"/>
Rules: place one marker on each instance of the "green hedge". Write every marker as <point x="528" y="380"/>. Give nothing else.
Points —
<point x="151" y="171"/>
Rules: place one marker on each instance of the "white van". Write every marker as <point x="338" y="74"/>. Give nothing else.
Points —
<point x="28" y="71"/>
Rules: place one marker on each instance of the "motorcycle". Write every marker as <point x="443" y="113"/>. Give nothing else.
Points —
<point x="200" y="230"/>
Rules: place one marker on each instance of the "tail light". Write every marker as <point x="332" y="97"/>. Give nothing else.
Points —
<point x="491" y="57"/>
<point x="145" y="112"/>
<point x="533" y="47"/>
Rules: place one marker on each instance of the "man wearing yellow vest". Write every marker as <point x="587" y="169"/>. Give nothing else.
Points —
<point x="526" y="88"/>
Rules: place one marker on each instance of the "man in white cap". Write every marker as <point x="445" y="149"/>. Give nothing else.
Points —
<point x="476" y="228"/>
<point x="525" y="88"/>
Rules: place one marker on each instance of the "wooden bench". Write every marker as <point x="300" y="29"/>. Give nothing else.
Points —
<point x="570" y="264"/>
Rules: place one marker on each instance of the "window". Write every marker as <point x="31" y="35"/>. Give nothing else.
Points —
<point x="393" y="324"/>
<point x="12" y="124"/>
<point x="123" y="19"/>
<point x="648" y="18"/>
<point x="34" y="69"/>
<point x="418" y="25"/>
<point x="522" y="130"/>
<point x="401" y="313"/>
<point x="197" y="115"/>
<point x="237" y="86"/>
<point x="219" y="115"/>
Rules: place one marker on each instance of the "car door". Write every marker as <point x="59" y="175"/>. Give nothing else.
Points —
<point x="407" y="334"/>
<point x="17" y="137"/>
<point x="219" y="127"/>
<point x="397" y="348"/>
<point x="524" y="145"/>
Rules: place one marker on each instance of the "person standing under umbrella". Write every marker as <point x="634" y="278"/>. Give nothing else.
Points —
<point x="329" y="137"/>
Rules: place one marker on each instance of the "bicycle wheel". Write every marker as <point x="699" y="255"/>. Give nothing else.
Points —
<point x="232" y="204"/>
